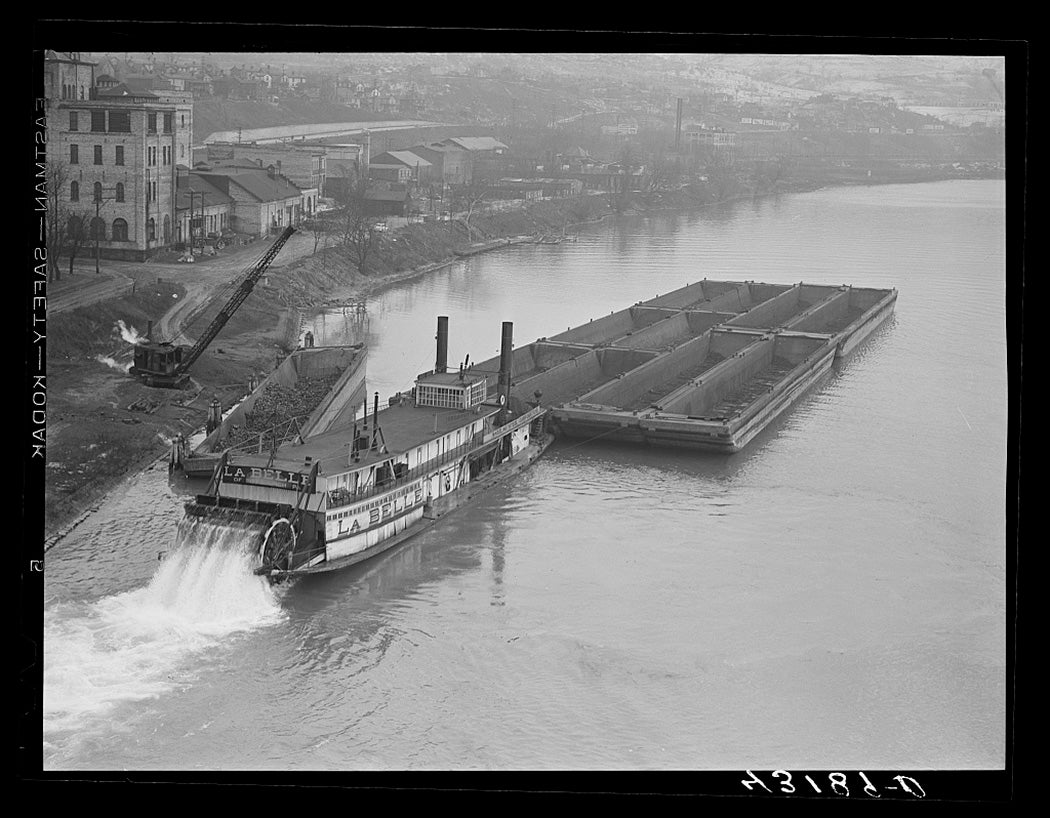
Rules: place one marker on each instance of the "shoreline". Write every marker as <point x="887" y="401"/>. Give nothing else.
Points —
<point x="247" y="345"/>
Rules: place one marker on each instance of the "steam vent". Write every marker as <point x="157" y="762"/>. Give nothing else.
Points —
<point x="707" y="366"/>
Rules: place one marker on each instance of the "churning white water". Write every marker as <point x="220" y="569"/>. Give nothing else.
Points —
<point x="133" y="646"/>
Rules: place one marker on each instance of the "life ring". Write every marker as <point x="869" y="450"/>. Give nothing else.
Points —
<point x="448" y="483"/>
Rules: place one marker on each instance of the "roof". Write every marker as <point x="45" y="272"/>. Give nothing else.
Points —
<point x="403" y="427"/>
<point x="123" y="90"/>
<point x="255" y="180"/>
<point x="64" y="56"/>
<point x="267" y="188"/>
<point x="195" y="184"/>
<point x="404" y="157"/>
<point x="478" y="143"/>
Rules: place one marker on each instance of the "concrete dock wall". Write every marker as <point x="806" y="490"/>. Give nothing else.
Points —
<point x="771" y="313"/>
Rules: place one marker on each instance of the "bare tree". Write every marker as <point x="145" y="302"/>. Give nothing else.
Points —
<point x="468" y="198"/>
<point x="76" y="233"/>
<point x="59" y="176"/>
<point x="360" y="235"/>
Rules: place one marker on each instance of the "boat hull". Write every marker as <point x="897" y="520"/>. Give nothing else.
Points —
<point x="433" y="513"/>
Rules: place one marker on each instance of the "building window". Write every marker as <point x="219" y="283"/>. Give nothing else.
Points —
<point x="74" y="154"/>
<point x="98" y="228"/>
<point x="120" y="192"/>
<point x="98" y="121"/>
<point x="75" y="227"/>
<point x="98" y="154"/>
<point x="120" y="230"/>
<point x="151" y="229"/>
<point x="74" y="121"/>
<point x="168" y="118"/>
<point x="167" y="229"/>
<point x="182" y="151"/>
<point x="183" y="120"/>
<point x="74" y="191"/>
<point x="151" y="123"/>
<point x="119" y="158"/>
<point x="120" y="122"/>
<point x="81" y="91"/>
<point x="98" y="192"/>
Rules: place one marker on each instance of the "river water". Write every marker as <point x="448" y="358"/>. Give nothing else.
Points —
<point x="833" y="597"/>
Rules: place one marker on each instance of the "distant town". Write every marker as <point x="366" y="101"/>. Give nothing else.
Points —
<point x="185" y="155"/>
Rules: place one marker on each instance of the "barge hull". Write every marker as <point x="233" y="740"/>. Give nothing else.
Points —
<point x="707" y="366"/>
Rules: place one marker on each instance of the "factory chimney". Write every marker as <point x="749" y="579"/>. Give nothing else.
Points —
<point x="441" y="364"/>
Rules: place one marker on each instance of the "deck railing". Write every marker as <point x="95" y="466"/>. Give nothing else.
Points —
<point x="338" y="498"/>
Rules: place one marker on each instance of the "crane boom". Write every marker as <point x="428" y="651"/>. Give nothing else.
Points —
<point x="241" y="293"/>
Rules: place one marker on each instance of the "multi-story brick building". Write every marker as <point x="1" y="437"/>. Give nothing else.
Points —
<point x="66" y="76"/>
<point x="118" y="150"/>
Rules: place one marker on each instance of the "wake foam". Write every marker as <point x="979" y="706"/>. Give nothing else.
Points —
<point x="138" y="645"/>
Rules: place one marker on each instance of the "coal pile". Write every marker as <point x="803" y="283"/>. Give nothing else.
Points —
<point x="277" y="405"/>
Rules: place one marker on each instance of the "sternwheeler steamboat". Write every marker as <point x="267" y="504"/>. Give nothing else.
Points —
<point x="333" y="499"/>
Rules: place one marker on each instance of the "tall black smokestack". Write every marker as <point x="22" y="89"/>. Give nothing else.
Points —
<point x="375" y="421"/>
<point x="441" y="365"/>
<point x="505" y="357"/>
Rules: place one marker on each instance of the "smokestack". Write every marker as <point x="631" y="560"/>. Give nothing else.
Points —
<point x="375" y="421"/>
<point x="214" y="415"/>
<point x="441" y="365"/>
<point x="149" y="330"/>
<point x="505" y="356"/>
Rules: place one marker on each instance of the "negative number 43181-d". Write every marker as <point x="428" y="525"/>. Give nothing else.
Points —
<point x="836" y="784"/>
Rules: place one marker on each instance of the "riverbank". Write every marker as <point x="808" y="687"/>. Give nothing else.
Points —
<point x="104" y="425"/>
